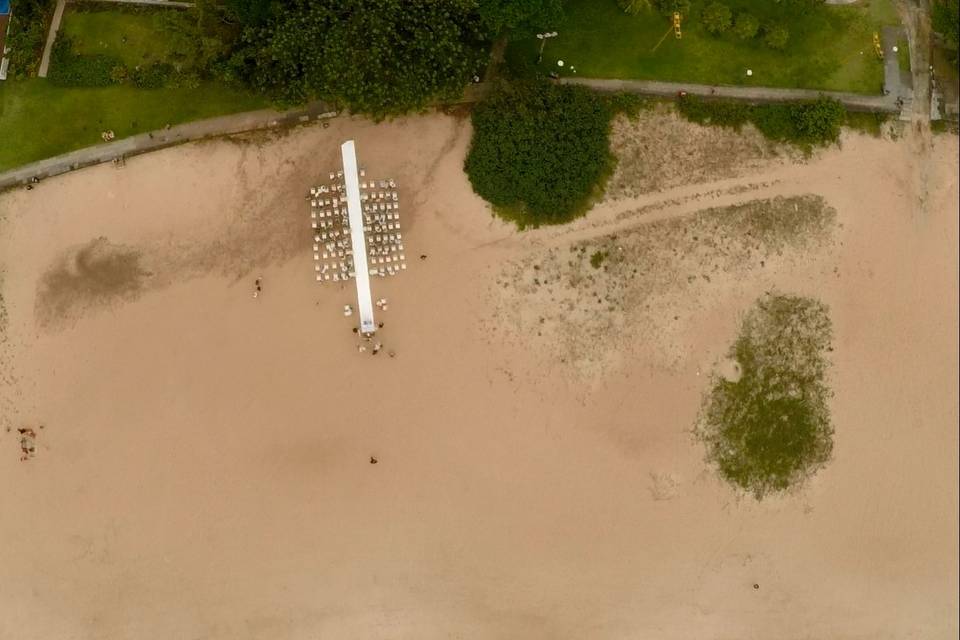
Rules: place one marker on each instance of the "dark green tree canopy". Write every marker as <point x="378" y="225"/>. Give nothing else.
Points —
<point x="519" y="16"/>
<point x="745" y="26"/>
<point x="540" y="150"/>
<point x="717" y="17"/>
<point x="374" y="56"/>
<point x="945" y="19"/>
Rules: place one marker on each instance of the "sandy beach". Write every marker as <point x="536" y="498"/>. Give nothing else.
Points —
<point x="203" y="456"/>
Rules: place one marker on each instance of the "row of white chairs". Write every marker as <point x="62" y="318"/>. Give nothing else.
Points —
<point x="327" y="213"/>
<point x="381" y="218"/>
<point x="385" y="250"/>
<point x="380" y="206"/>
<point x="379" y="195"/>
<point x="388" y="271"/>
<point x="336" y="277"/>
<point x="383" y="184"/>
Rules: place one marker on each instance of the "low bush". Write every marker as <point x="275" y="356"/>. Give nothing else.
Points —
<point x="767" y="428"/>
<point x="155" y="75"/>
<point x="717" y="18"/>
<point x="776" y="36"/>
<point x="745" y="26"/>
<point x="808" y="123"/>
<point x="629" y="104"/>
<point x="67" y="69"/>
<point x="26" y="34"/>
<point x="540" y="151"/>
<point x="668" y="7"/>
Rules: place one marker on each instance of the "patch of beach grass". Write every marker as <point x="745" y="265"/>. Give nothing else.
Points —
<point x="770" y="430"/>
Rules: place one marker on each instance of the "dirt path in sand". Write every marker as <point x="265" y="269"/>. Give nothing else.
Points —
<point x="203" y="467"/>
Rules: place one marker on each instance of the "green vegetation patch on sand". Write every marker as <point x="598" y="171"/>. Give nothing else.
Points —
<point x="829" y="47"/>
<point x="40" y="120"/>
<point x="765" y="421"/>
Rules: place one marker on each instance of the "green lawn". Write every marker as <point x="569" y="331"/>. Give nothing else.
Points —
<point x="830" y="48"/>
<point x="39" y="120"/>
<point x="132" y="37"/>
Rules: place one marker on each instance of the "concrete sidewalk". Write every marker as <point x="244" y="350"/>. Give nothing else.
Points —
<point x="152" y="141"/>
<point x="852" y="101"/>
<point x="51" y="37"/>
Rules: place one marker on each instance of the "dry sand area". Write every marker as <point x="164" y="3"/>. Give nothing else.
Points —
<point x="202" y="466"/>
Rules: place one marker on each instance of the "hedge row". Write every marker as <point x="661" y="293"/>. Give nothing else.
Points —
<point x="67" y="69"/>
<point x="813" y="122"/>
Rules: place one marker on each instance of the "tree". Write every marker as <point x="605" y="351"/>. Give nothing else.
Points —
<point x="374" y="56"/>
<point x="818" y="121"/>
<point x="945" y="19"/>
<point x="717" y="18"/>
<point x="633" y="7"/>
<point x="745" y="26"/>
<point x="250" y="12"/>
<point x="539" y="150"/>
<point x="519" y="16"/>
<point x="668" y="7"/>
<point x="776" y="36"/>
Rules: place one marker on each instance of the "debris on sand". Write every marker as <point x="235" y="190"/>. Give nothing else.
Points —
<point x="28" y="444"/>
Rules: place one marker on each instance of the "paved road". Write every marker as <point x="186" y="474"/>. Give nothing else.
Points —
<point x="753" y="94"/>
<point x="51" y="36"/>
<point x="142" y="143"/>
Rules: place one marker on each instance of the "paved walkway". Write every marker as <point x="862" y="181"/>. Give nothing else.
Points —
<point x="144" y="142"/>
<point x="51" y="37"/>
<point x="917" y="24"/>
<point x="853" y="101"/>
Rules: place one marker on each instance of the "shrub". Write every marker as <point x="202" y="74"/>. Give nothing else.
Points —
<point x="539" y="151"/>
<point x="818" y="121"/>
<point x="67" y="69"/>
<point x="717" y="18"/>
<point x="667" y="7"/>
<point x="719" y="113"/>
<point x="776" y="36"/>
<point x="808" y="123"/>
<point x="945" y="19"/>
<point x="770" y="429"/>
<point x="26" y="34"/>
<point x="152" y="76"/>
<point x="119" y="74"/>
<point x="629" y="104"/>
<point x="596" y="260"/>
<point x="745" y="26"/>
